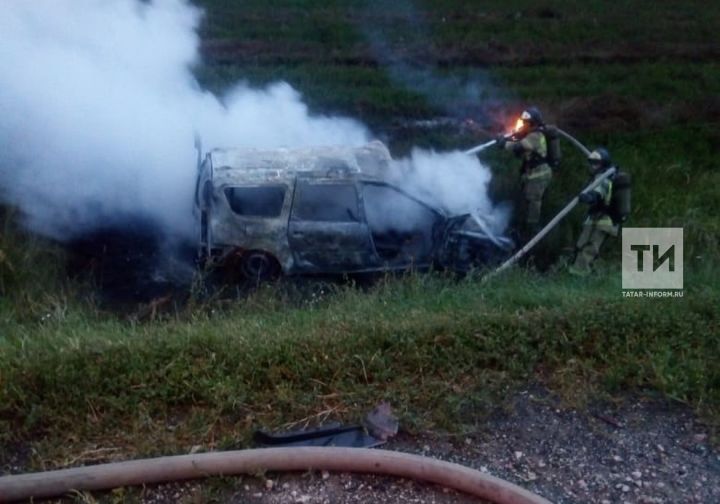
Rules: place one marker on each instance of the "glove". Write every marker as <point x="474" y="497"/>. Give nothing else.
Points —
<point x="587" y="197"/>
<point x="501" y="141"/>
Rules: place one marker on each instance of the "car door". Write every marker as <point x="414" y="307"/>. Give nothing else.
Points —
<point x="405" y="231"/>
<point x="327" y="231"/>
<point x="203" y="208"/>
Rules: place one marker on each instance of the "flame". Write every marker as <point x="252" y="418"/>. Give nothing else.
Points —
<point x="519" y="126"/>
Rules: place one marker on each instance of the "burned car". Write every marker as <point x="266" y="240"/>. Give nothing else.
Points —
<point x="326" y="210"/>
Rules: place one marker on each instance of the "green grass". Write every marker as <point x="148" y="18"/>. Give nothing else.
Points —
<point x="557" y="28"/>
<point x="654" y="81"/>
<point x="334" y="52"/>
<point x="444" y="352"/>
<point x="368" y="93"/>
<point x="31" y="273"/>
<point x="357" y="91"/>
<point x="561" y="27"/>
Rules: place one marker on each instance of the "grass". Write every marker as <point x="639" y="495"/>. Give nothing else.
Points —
<point x="31" y="272"/>
<point x="338" y="53"/>
<point x="437" y="349"/>
<point x="673" y="177"/>
<point x="442" y="351"/>
<point x="562" y="26"/>
<point x="369" y="93"/>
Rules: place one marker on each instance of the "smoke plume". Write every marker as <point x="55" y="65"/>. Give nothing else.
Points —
<point x="455" y="182"/>
<point x="99" y="109"/>
<point x="468" y="93"/>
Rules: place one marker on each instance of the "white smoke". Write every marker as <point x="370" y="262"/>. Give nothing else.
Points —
<point x="456" y="182"/>
<point x="99" y="109"/>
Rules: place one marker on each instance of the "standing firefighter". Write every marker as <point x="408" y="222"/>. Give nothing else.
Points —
<point x="599" y="223"/>
<point x="529" y="142"/>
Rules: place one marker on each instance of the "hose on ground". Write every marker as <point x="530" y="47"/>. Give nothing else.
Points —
<point x="184" y="467"/>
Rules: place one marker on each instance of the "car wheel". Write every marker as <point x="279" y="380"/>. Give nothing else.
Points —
<point x="259" y="266"/>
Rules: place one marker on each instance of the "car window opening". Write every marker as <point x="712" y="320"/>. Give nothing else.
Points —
<point x="326" y="203"/>
<point x="262" y="201"/>
<point x="401" y="227"/>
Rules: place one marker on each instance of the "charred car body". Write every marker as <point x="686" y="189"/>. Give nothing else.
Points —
<point x="326" y="210"/>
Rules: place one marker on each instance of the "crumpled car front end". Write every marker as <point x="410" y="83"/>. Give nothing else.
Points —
<point x="468" y="242"/>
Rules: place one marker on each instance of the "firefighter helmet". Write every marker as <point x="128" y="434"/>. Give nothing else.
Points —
<point x="599" y="158"/>
<point x="532" y="116"/>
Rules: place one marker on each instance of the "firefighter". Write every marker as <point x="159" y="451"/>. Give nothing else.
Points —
<point x="529" y="143"/>
<point x="598" y="224"/>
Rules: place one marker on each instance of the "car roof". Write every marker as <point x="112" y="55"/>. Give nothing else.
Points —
<point x="240" y="166"/>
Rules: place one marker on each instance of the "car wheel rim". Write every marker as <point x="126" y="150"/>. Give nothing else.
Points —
<point x="258" y="266"/>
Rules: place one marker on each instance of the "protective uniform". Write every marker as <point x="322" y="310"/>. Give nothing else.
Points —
<point x="530" y="144"/>
<point x="598" y="224"/>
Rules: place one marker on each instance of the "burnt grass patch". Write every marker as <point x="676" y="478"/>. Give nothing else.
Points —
<point x="131" y="262"/>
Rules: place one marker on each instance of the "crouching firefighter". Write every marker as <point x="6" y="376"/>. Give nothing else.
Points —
<point x="529" y="142"/>
<point x="608" y="207"/>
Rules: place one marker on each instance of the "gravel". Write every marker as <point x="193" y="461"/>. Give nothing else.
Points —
<point x="641" y="451"/>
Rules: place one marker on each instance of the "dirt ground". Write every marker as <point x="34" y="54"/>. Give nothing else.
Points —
<point x="641" y="451"/>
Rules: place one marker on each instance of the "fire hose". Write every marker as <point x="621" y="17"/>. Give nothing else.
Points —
<point x="564" y="134"/>
<point x="549" y="226"/>
<point x="574" y="141"/>
<point x="184" y="467"/>
<point x="560" y="215"/>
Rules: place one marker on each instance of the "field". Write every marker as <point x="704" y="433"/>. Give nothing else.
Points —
<point x="77" y="375"/>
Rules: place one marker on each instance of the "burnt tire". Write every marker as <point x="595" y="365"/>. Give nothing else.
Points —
<point x="259" y="266"/>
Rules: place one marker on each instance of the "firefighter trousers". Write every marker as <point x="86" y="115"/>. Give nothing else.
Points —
<point x="593" y="235"/>
<point x="534" y="184"/>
